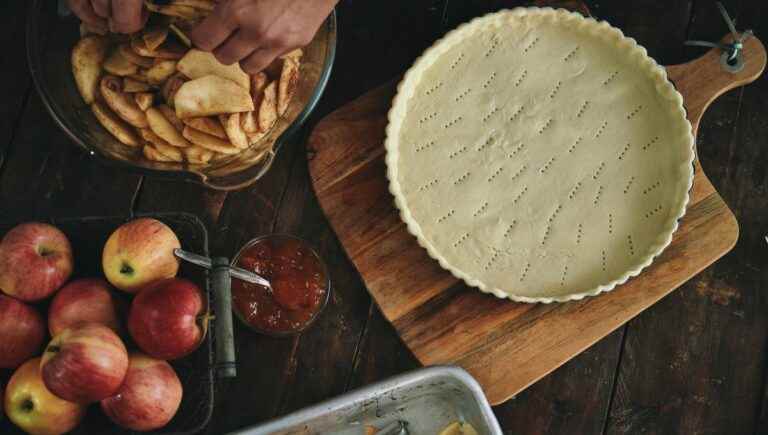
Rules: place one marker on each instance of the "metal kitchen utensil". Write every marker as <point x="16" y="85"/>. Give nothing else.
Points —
<point x="234" y="271"/>
<point x="395" y="428"/>
<point x="221" y="282"/>
<point x="732" y="59"/>
<point x="429" y="399"/>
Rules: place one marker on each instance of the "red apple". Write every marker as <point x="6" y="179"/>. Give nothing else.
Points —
<point x="87" y="300"/>
<point x="30" y="405"/>
<point x="139" y="253"/>
<point x="84" y="363"/>
<point x="168" y="320"/>
<point x="21" y="332"/>
<point x="35" y="260"/>
<point x="149" y="396"/>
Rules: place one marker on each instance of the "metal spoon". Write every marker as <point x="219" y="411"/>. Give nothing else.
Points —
<point x="237" y="272"/>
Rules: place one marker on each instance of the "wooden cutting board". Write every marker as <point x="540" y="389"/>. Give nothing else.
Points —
<point x="506" y="346"/>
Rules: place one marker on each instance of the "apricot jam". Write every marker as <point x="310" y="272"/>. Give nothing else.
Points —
<point x="299" y="281"/>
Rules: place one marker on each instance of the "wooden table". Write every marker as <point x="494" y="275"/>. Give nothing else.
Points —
<point x="694" y="363"/>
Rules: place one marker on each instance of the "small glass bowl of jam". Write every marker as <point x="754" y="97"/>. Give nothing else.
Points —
<point x="300" y="283"/>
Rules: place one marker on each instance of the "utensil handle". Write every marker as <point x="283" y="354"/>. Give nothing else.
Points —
<point x="222" y="300"/>
<point x="702" y="80"/>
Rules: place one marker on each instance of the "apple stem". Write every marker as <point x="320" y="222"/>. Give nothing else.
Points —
<point x="204" y="320"/>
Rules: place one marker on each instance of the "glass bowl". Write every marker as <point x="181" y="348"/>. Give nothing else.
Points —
<point x="50" y="38"/>
<point x="323" y="267"/>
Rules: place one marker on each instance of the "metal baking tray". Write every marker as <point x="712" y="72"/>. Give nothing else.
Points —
<point x="428" y="399"/>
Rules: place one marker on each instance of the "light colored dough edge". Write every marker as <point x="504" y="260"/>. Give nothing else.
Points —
<point x="407" y="87"/>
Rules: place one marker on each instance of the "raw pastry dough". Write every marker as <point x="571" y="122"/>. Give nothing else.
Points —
<point x="540" y="155"/>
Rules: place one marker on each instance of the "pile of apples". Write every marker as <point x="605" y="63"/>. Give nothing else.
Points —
<point x="86" y="361"/>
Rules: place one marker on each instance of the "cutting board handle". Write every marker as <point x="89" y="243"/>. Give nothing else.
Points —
<point x="702" y="80"/>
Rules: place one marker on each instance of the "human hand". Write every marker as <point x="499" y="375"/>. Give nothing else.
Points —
<point x="119" y="16"/>
<point x="255" y="32"/>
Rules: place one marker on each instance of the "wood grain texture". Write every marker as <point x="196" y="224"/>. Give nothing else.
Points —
<point x="15" y="83"/>
<point x="295" y="372"/>
<point x="328" y="355"/>
<point x="160" y="195"/>
<point x="326" y="352"/>
<point x="762" y="420"/>
<point x="701" y="81"/>
<point x="506" y="346"/>
<point x="572" y="400"/>
<point x="46" y="176"/>
<point x="696" y="362"/>
<point x="660" y="27"/>
<point x="256" y="393"/>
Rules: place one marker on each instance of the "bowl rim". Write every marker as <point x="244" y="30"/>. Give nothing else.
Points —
<point x="34" y="64"/>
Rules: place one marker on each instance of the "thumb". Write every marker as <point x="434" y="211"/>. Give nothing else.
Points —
<point x="128" y="16"/>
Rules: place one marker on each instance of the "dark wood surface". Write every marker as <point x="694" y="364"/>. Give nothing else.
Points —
<point x="694" y="363"/>
<point x="506" y="346"/>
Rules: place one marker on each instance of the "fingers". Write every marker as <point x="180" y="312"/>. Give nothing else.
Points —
<point x="84" y="10"/>
<point x="212" y="32"/>
<point x="237" y="47"/>
<point x="128" y="16"/>
<point x="259" y="59"/>
<point x="101" y="7"/>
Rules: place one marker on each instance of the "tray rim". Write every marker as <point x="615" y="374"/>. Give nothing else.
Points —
<point x="381" y="388"/>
